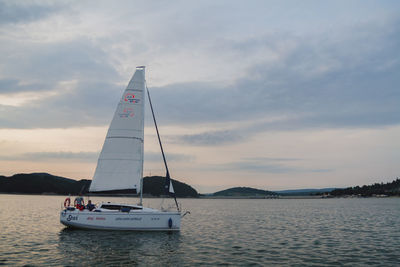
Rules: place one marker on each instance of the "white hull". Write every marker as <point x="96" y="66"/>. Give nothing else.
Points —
<point x="135" y="220"/>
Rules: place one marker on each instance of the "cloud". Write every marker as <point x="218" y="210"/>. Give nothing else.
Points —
<point x="24" y="12"/>
<point x="157" y="157"/>
<point x="330" y="83"/>
<point x="88" y="156"/>
<point x="78" y="59"/>
<point x="330" y="79"/>
<point x="264" y="166"/>
<point x="16" y="86"/>
<point x="269" y="159"/>
<point x="91" y="105"/>
<point x="61" y="155"/>
<point x="206" y="138"/>
<point x="65" y="91"/>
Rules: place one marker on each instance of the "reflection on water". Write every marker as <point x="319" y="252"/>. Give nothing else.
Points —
<point x="330" y="232"/>
<point x="105" y="247"/>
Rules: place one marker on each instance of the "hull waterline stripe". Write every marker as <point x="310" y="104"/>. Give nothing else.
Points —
<point x="79" y="225"/>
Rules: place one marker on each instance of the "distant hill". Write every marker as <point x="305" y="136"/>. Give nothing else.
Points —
<point x="304" y="192"/>
<point x="248" y="191"/>
<point x="243" y="191"/>
<point x="389" y="189"/>
<point x="44" y="183"/>
<point x="39" y="183"/>
<point x="154" y="185"/>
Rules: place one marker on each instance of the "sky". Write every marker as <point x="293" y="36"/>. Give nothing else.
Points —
<point x="267" y="94"/>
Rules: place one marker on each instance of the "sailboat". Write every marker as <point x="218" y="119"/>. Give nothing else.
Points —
<point x="120" y="170"/>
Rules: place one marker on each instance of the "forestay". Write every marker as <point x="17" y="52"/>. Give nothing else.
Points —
<point x="120" y="165"/>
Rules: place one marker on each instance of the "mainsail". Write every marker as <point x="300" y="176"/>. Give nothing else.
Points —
<point x="120" y="165"/>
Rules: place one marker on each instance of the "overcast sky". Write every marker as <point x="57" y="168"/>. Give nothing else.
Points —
<point x="267" y="94"/>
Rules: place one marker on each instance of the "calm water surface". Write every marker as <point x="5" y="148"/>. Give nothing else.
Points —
<point x="320" y="232"/>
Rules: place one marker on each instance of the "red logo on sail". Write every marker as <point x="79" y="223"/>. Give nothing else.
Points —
<point x="130" y="98"/>
<point x="127" y="112"/>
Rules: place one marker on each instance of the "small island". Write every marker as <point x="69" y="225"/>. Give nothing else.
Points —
<point x="243" y="192"/>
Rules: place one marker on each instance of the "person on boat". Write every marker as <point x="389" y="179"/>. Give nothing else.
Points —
<point x="90" y="206"/>
<point x="79" y="202"/>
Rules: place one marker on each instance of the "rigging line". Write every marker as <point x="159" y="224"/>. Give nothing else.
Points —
<point x="158" y="135"/>
<point x="159" y="141"/>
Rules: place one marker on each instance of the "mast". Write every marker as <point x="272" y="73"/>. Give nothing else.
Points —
<point x="141" y="192"/>
<point x="141" y="175"/>
<point x="168" y="183"/>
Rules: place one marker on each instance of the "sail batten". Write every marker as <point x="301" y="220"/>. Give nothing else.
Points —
<point x="120" y="164"/>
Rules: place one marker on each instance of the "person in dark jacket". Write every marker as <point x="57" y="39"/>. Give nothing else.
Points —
<point x="90" y="206"/>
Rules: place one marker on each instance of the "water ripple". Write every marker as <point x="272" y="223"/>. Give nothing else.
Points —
<point x="317" y="232"/>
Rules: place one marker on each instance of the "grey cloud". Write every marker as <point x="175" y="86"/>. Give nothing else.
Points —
<point x="91" y="104"/>
<point x="48" y="63"/>
<point x="206" y="138"/>
<point x="39" y="156"/>
<point x="23" y="12"/>
<point x="352" y="82"/>
<point x="15" y="86"/>
<point x="157" y="157"/>
<point x="321" y="82"/>
<point x="263" y="165"/>
<point x="268" y="159"/>
<point x="80" y="59"/>
<point x="91" y="101"/>
<point x="88" y="156"/>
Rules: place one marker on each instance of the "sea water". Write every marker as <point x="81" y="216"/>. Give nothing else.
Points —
<point x="264" y="232"/>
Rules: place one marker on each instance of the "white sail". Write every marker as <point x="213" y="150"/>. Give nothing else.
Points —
<point x="120" y="165"/>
